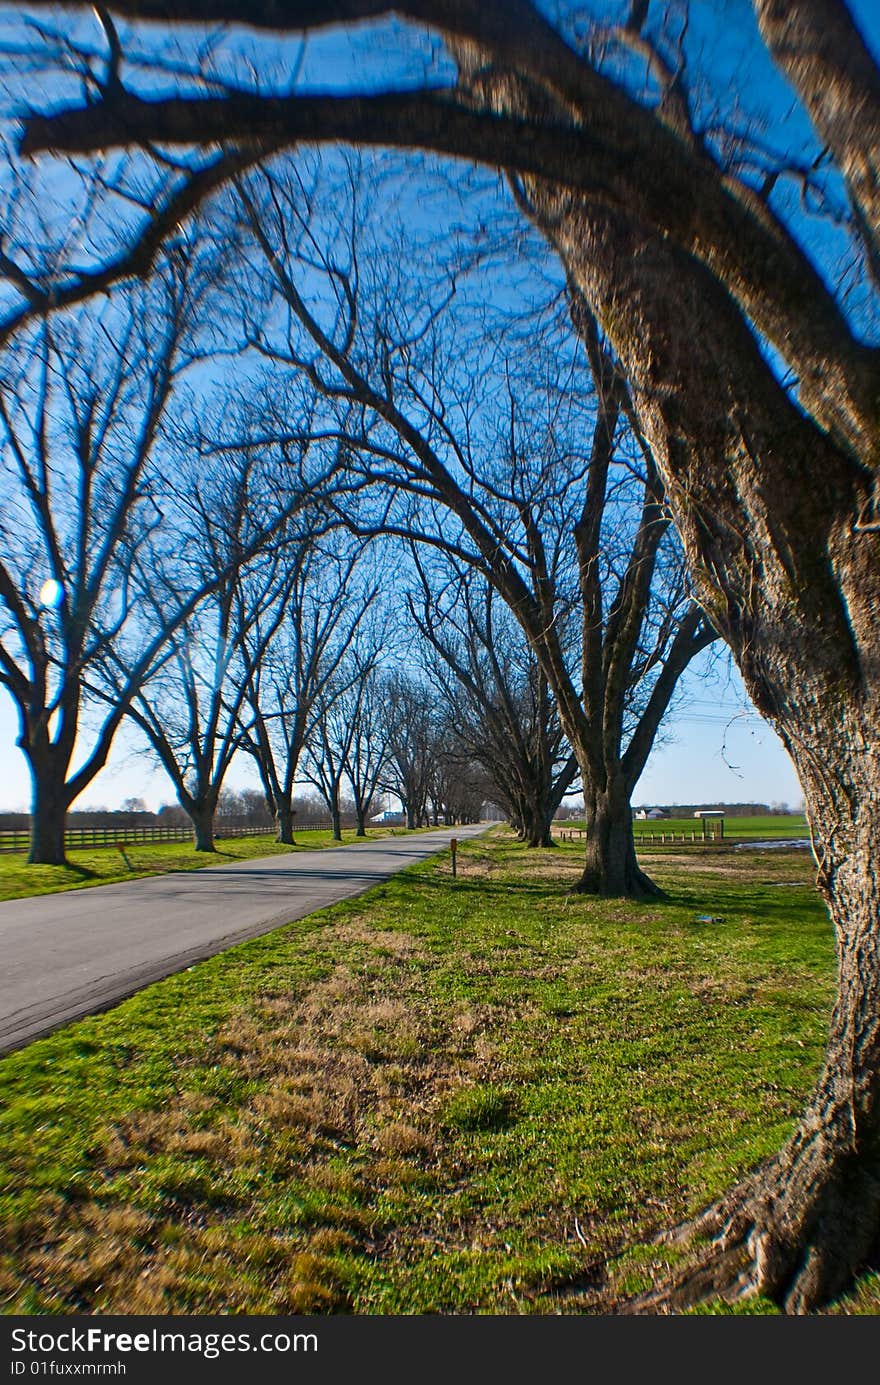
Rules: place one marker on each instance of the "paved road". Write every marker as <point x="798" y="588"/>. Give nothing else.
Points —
<point x="66" y="955"/>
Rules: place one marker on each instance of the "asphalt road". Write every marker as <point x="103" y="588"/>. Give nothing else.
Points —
<point x="66" y="955"/>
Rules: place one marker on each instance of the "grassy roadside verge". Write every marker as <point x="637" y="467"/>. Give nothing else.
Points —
<point x="480" y="1096"/>
<point x="107" y="865"/>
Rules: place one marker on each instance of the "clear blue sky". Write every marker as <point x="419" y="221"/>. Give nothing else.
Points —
<point x="693" y="764"/>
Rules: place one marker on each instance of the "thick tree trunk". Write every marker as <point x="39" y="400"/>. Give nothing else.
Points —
<point x="770" y="511"/>
<point x="775" y="500"/>
<point x="284" y="821"/>
<point x="541" y="835"/>
<point x="536" y="825"/>
<point x="804" y="1224"/>
<point x="48" y="819"/>
<point x="202" y="819"/>
<point x="360" y="820"/>
<point x="610" y="867"/>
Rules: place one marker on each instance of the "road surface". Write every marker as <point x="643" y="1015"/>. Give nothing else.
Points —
<point x="71" y="954"/>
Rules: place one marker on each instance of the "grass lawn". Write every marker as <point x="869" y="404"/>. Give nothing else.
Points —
<point x="103" y="865"/>
<point x="481" y="1095"/>
<point x="773" y="828"/>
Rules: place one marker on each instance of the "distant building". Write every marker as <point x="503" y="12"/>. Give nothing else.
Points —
<point x="645" y="814"/>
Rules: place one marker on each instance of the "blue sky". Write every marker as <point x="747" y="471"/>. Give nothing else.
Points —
<point x="715" y="748"/>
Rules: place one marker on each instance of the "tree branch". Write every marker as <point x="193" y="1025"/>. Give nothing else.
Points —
<point x="819" y="48"/>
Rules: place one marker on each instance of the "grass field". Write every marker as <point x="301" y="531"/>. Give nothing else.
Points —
<point x="735" y="829"/>
<point x="105" y="865"/>
<point x="482" y="1095"/>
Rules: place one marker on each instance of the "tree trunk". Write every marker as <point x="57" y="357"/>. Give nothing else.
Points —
<point x="536" y="825"/>
<point x="48" y="819"/>
<point x="540" y="836"/>
<point x="545" y="838"/>
<point x="361" y="819"/>
<point x="202" y="819"/>
<point x="335" y="820"/>
<point x="284" y="821"/>
<point x="610" y="867"/>
<point x="804" y="1224"/>
<point x="770" y="510"/>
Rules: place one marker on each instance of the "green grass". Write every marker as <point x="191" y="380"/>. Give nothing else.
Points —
<point x="735" y="829"/>
<point x="480" y="1095"/>
<point x="106" y="865"/>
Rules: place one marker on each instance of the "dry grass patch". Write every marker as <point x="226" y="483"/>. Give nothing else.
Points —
<point x="310" y="1126"/>
<point x="401" y="1138"/>
<point x="469" y="869"/>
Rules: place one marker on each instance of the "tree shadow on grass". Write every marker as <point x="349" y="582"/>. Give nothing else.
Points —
<point x="482" y="888"/>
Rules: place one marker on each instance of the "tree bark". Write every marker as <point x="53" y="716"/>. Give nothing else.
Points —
<point x="284" y="816"/>
<point x="805" y="1223"/>
<point x="610" y="867"/>
<point x="335" y="819"/>
<point x="540" y="835"/>
<point x="202" y="818"/>
<point x="535" y="822"/>
<point x="48" y="820"/>
<point x="820" y="50"/>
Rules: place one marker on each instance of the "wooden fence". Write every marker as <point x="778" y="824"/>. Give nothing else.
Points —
<point x="711" y="835"/>
<point x="79" y="838"/>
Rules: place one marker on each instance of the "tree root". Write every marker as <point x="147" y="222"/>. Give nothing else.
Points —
<point x="636" y="885"/>
<point x="764" y="1241"/>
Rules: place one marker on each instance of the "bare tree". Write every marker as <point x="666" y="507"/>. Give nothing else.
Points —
<point x="689" y="256"/>
<point x="365" y="761"/>
<point x="190" y="710"/>
<point x="243" y="808"/>
<point x="347" y="742"/>
<point x="459" y="786"/>
<point x="497" y="700"/>
<point x="331" y="593"/>
<point x="82" y="401"/>
<point x="326" y="755"/>
<point x="549" y="492"/>
<point x="412" y="741"/>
